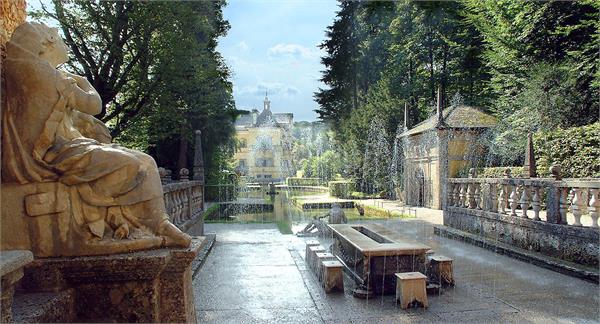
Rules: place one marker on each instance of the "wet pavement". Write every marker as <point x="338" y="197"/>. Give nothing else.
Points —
<point x="254" y="274"/>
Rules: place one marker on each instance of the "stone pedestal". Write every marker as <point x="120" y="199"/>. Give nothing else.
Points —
<point x="148" y="286"/>
<point x="11" y="271"/>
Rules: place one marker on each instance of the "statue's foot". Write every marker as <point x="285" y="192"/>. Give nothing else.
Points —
<point x="173" y="236"/>
<point x="122" y="232"/>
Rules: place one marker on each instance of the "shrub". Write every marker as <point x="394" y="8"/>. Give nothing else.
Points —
<point x="498" y="172"/>
<point x="576" y="149"/>
<point x="341" y="189"/>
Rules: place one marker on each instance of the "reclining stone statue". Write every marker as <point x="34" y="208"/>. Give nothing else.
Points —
<point x="66" y="190"/>
<point x="335" y="215"/>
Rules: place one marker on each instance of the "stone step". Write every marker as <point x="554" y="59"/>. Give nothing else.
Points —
<point x="44" y="307"/>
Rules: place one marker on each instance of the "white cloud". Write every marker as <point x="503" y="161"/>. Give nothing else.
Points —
<point x="273" y="88"/>
<point x="294" y="51"/>
<point x="242" y="46"/>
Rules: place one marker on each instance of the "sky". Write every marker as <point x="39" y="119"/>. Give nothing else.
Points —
<point x="272" y="46"/>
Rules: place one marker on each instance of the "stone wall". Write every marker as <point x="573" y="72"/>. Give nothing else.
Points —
<point x="576" y="244"/>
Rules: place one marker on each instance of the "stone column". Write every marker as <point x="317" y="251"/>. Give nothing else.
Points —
<point x="530" y="168"/>
<point x="198" y="158"/>
<point x="443" y="165"/>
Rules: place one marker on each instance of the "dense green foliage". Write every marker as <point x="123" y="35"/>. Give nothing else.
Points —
<point x="576" y="149"/>
<point x="496" y="172"/>
<point x="313" y="151"/>
<point x="534" y="65"/>
<point x="341" y="188"/>
<point x="156" y="68"/>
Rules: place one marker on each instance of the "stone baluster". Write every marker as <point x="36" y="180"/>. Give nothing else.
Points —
<point x="189" y="203"/>
<point x="524" y="201"/>
<point x="594" y="206"/>
<point x="456" y="193"/>
<point x="563" y="204"/>
<point x="502" y="199"/>
<point x="471" y="196"/>
<point x="536" y="204"/>
<point x="513" y="199"/>
<point x="166" y="199"/>
<point x="494" y="197"/>
<point x="183" y="196"/>
<point x="578" y="205"/>
<point x="477" y="196"/>
<point x="463" y="195"/>
<point x="178" y="208"/>
<point x="449" y="201"/>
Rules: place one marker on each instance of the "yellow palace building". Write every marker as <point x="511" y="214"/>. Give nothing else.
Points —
<point x="264" y="150"/>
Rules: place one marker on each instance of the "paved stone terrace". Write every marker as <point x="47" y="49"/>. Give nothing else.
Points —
<point x="254" y="274"/>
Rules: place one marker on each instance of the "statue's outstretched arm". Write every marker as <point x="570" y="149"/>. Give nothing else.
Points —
<point x="84" y="97"/>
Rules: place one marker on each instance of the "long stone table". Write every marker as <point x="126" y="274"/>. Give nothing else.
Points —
<point x="372" y="254"/>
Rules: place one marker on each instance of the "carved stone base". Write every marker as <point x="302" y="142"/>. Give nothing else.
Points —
<point x="148" y="286"/>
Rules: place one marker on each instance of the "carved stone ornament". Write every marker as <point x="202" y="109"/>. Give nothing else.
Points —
<point x="66" y="190"/>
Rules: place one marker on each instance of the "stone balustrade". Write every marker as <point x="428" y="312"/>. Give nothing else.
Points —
<point x="539" y="199"/>
<point x="552" y="216"/>
<point x="184" y="199"/>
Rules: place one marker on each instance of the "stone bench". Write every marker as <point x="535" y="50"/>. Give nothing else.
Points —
<point x="410" y="287"/>
<point x="319" y="258"/>
<point x="440" y="270"/>
<point x="11" y="271"/>
<point x="333" y="276"/>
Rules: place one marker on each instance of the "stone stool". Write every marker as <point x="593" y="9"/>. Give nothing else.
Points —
<point x="410" y="287"/>
<point x="308" y="245"/>
<point x="333" y="276"/>
<point x="311" y="255"/>
<point x="319" y="258"/>
<point x="440" y="270"/>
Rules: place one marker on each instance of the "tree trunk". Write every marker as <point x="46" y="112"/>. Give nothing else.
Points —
<point x="183" y="148"/>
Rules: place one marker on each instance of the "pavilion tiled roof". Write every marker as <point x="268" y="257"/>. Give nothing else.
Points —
<point x="455" y="117"/>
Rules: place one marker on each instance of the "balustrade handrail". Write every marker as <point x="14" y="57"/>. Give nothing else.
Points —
<point x="575" y="182"/>
<point x="172" y="186"/>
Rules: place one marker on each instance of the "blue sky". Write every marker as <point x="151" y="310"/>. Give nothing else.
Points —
<point x="272" y="46"/>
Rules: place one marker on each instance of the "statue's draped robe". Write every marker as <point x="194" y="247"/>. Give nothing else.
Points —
<point x="40" y="143"/>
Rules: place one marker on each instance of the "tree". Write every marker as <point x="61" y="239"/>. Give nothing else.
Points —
<point x="109" y="44"/>
<point x="158" y="73"/>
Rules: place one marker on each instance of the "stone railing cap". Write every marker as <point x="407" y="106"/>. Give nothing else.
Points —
<point x="13" y="260"/>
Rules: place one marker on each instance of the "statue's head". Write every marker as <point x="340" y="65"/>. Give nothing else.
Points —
<point x="40" y="40"/>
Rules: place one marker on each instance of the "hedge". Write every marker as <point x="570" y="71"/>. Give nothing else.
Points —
<point x="498" y="172"/>
<point x="295" y="181"/>
<point x="341" y="189"/>
<point x="576" y="149"/>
